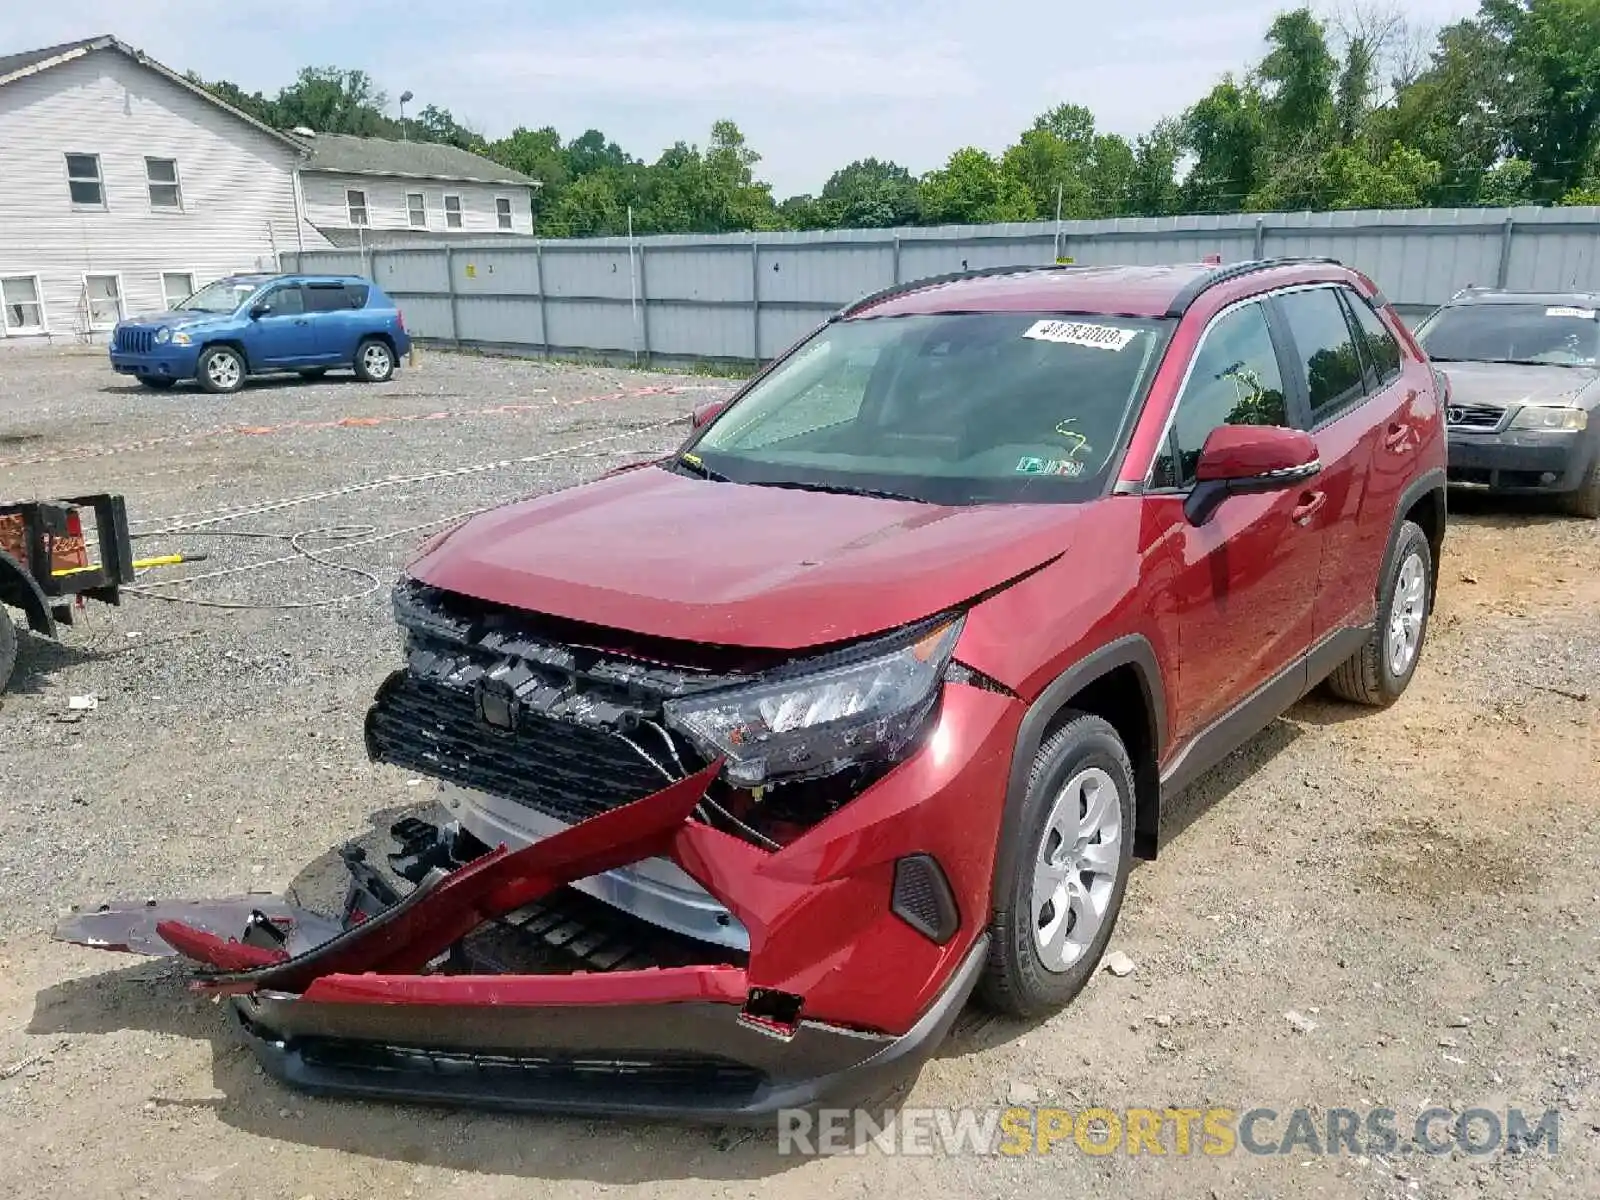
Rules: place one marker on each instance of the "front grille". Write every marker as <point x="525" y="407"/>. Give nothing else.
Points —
<point x="135" y="341"/>
<point x="1474" y="416"/>
<point x="564" y="769"/>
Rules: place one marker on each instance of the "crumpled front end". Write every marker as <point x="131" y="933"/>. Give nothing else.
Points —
<point x="493" y="981"/>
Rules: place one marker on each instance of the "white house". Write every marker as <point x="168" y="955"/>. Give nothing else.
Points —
<point x="369" y="189"/>
<point x="124" y="187"/>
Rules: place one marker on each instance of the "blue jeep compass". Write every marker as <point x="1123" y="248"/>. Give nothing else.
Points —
<point x="256" y="324"/>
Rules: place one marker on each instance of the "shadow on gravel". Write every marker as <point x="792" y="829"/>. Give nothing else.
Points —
<point x="38" y="658"/>
<point x="1490" y="511"/>
<point x="149" y="996"/>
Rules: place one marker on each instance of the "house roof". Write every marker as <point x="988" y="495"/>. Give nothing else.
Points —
<point x="30" y="62"/>
<point x="347" y="155"/>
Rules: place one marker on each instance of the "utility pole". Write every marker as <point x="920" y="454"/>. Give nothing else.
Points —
<point x="1058" y="221"/>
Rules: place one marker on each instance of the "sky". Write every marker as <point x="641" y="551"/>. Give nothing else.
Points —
<point x="814" y="84"/>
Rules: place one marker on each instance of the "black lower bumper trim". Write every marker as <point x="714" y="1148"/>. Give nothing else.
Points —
<point x="693" y="1062"/>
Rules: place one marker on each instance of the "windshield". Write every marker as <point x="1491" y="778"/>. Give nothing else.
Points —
<point x="951" y="409"/>
<point x="1566" y="335"/>
<point x="223" y="296"/>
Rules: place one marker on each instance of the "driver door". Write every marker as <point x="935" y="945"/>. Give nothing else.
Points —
<point x="283" y="336"/>
<point x="1245" y="582"/>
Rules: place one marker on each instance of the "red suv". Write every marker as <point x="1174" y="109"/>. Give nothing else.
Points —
<point x="762" y="757"/>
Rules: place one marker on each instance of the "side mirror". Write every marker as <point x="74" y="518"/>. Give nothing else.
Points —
<point x="706" y="413"/>
<point x="1239" y="460"/>
<point x="258" y="311"/>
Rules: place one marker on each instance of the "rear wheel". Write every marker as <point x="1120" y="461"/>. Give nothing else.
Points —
<point x="8" y="647"/>
<point x="1585" y="502"/>
<point x="1378" y="673"/>
<point x="374" y="361"/>
<point x="157" y="382"/>
<point x="221" y="370"/>
<point x="1054" y="915"/>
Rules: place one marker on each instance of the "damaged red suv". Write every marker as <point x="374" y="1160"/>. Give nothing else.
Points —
<point x="760" y="759"/>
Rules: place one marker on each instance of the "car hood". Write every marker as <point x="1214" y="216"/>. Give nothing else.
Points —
<point x="1506" y="385"/>
<point x="176" y="318"/>
<point x="664" y="555"/>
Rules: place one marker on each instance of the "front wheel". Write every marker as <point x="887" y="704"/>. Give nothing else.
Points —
<point x="221" y="370"/>
<point x="1585" y="502"/>
<point x="374" y="361"/>
<point x="1378" y="673"/>
<point x="1055" y="912"/>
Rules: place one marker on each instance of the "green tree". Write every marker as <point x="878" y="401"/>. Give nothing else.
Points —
<point x="1153" y="183"/>
<point x="1226" y="133"/>
<point x="1298" y="71"/>
<point x="870" y="194"/>
<point x="1507" y="184"/>
<point x="435" y="124"/>
<point x="333" y="100"/>
<point x="1350" y="179"/>
<point x="971" y="188"/>
<point x="1553" y="55"/>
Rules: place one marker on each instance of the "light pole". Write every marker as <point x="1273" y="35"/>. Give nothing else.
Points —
<point x="404" y="135"/>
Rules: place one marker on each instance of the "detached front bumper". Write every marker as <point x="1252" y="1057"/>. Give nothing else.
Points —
<point x="840" y="996"/>
<point x="681" y="1058"/>
<point x="1521" y="461"/>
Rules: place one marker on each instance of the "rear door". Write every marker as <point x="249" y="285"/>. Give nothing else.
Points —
<point x="1329" y="374"/>
<point x="335" y="321"/>
<point x="1243" y="592"/>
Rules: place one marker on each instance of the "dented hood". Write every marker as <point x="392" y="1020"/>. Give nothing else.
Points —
<point x="733" y="564"/>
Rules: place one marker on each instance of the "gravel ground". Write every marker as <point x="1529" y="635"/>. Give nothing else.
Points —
<point x="1418" y="887"/>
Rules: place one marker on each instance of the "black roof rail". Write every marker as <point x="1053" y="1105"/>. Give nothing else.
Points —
<point x="1193" y="291"/>
<point x="915" y="285"/>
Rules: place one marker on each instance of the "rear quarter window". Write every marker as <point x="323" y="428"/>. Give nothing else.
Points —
<point x="355" y="294"/>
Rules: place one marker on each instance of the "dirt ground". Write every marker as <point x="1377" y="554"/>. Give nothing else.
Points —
<point x="1418" y="887"/>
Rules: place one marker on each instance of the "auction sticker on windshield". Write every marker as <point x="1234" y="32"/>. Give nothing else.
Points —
<point x="1079" y="333"/>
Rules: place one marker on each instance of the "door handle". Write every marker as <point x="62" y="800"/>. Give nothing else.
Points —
<point x="1310" y="505"/>
<point x="1396" y="436"/>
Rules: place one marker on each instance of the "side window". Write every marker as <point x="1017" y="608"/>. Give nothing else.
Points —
<point x="1234" y="381"/>
<point x="326" y="297"/>
<point x="1326" y="348"/>
<point x="1383" y="351"/>
<point x="355" y="295"/>
<point x="286" y="302"/>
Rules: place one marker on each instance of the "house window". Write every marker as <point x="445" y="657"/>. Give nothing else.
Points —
<point x="452" y="212"/>
<point x="176" y="287"/>
<point x="20" y="309"/>
<point x="502" y="211"/>
<point x="162" y="176"/>
<point x="356" y="201"/>
<point x="83" y="181"/>
<point x="417" y="209"/>
<point x="103" y="299"/>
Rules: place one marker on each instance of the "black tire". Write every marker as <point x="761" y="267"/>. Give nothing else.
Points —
<point x="313" y="372"/>
<point x="225" y="382"/>
<point x="156" y="382"/>
<point x="8" y="647"/>
<point x="1016" y="979"/>
<point x="373" y="366"/>
<point x="1368" y="676"/>
<point x="1585" y="502"/>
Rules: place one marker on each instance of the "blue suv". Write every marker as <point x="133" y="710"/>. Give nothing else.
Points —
<point x="257" y="324"/>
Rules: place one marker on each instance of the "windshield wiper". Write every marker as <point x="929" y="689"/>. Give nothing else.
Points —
<point x="843" y="489"/>
<point x="688" y="464"/>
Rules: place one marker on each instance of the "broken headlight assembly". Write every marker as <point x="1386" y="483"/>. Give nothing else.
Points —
<point x="867" y="704"/>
